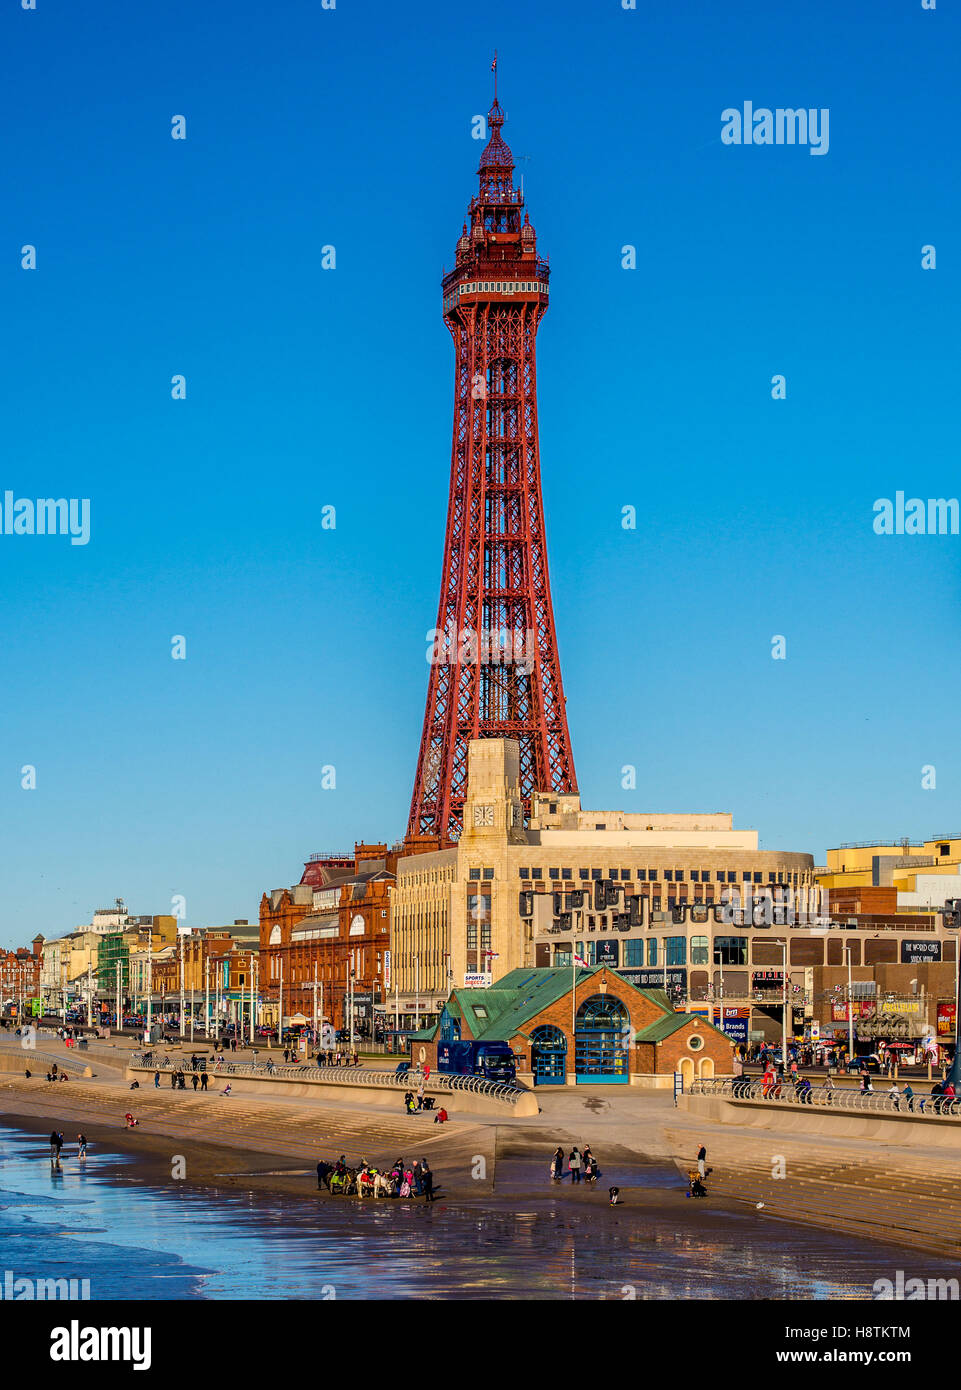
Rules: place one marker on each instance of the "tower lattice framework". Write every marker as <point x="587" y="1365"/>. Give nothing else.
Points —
<point x="495" y="671"/>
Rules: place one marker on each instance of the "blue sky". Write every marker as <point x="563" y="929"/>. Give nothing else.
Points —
<point x="306" y="388"/>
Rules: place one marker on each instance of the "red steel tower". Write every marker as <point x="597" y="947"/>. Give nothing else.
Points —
<point x="495" y="671"/>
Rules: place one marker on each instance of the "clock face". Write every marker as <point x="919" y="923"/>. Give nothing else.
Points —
<point x="483" y="815"/>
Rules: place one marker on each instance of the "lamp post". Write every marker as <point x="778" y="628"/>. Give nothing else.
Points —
<point x="784" y="1010"/>
<point x="847" y="952"/>
<point x="952" y="920"/>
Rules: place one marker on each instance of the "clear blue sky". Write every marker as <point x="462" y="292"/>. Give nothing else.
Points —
<point x="305" y="647"/>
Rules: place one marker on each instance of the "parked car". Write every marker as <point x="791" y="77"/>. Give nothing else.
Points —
<point x="870" y="1063"/>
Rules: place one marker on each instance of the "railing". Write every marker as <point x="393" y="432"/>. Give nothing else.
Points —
<point x="355" y="1076"/>
<point x="746" y="1090"/>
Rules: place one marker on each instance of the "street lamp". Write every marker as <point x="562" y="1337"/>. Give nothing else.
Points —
<point x="952" y="921"/>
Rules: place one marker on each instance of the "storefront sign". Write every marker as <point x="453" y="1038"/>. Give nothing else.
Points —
<point x="477" y="980"/>
<point x="605" y="952"/>
<point x="387" y="970"/>
<point x="734" y="1023"/>
<point x="917" y="952"/>
<point x="946" y="1020"/>
<point x="654" y="979"/>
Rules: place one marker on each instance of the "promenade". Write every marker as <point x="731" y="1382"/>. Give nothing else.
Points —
<point x="874" y="1189"/>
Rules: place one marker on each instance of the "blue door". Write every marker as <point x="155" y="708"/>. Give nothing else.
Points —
<point x="549" y="1056"/>
<point x="601" y="1033"/>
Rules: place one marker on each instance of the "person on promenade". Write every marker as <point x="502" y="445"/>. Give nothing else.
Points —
<point x="895" y="1095"/>
<point x="420" y="1096"/>
<point x="574" y="1164"/>
<point x="203" y="1081"/>
<point x="802" y="1091"/>
<point x="441" y="1117"/>
<point x="173" y="1080"/>
<point x="194" y="1080"/>
<point x="829" y="1087"/>
<point x="426" y="1180"/>
<point x="156" y="1080"/>
<point x="866" y="1084"/>
<point x="557" y="1164"/>
<point x="226" y="1090"/>
<point x="908" y="1094"/>
<point x="702" y="1162"/>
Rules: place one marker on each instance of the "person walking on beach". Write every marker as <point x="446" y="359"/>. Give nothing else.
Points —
<point x="557" y="1164"/>
<point x="574" y="1164"/>
<point x="55" y="1144"/>
<point x="702" y="1162"/>
<point x="427" y="1180"/>
<point x="81" y="1146"/>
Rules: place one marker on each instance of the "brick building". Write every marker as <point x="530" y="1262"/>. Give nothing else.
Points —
<point x="332" y="929"/>
<point x="586" y="1027"/>
<point x="20" y="977"/>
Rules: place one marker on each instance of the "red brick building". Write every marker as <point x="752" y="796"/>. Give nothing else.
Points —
<point x="603" y="1030"/>
<point x="332" y="928"/>
<point x="20" y="973"/>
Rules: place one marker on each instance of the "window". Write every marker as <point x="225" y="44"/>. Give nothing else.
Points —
<point x="595" y="874"/>
<point x="652" y="950"/>
<point x="720" y="875"/>
<point x="471" y="936"/>
<point x="678" y="875"/>
<point x="474" y="873"/>
<point x="488" y="873"/>
<point x="731" y="876"/>
<point x="746" y="875"/>
<point x="758" y="878"/>
<point x="669" y="874"/>
<point x="676" y="950"/>
<point x="634" y="953"/>
<point x="554" y="873"/>
<point x="642" y="874"/>
<point x="730" y="950"/>
<point x="525" y="873"/>
<point x="566" y="873"/>
<point x="480" y="1011"/>
<point x="537" y="873"/>
<point x="552" y="808"/>
<point x="695" y="875"/>
<point x="582" y="873"/>
<point x="625" y="874"/>
<point x="600" y="827"/>
<point x="699" y="950"/>
<point x="944" y="849"/>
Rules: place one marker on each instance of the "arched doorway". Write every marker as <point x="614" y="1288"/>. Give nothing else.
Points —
<point x="601" y="1032"/>
<point x="705" y="1067"/>
<point x="686" y="1068"/>
<point x="548" y="1056"/>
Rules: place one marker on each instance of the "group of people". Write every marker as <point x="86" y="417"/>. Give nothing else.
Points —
<point x="54" y="1074"/>
<point x="56" y="1144"/>
<point x="335" y="1059"/>
<point x="580" y="1164"/>
<point x="178" y="1080"/>
<point x="773" y="1083"/>
<point x="399" y="1180"/>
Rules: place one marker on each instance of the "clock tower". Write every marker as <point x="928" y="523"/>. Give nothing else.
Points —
<point x="494" y="807"/>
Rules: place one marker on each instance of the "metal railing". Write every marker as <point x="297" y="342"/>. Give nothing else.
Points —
<point x="849" y="1100"/>
<point x="354" y="1076"/>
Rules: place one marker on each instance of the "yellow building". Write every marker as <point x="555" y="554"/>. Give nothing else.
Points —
<point x="923" y="873"/>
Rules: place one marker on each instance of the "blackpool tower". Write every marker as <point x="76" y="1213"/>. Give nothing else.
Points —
<point x="494" y="670"/>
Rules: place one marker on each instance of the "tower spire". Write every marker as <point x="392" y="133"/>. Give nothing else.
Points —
<point x="494" y="669"/>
